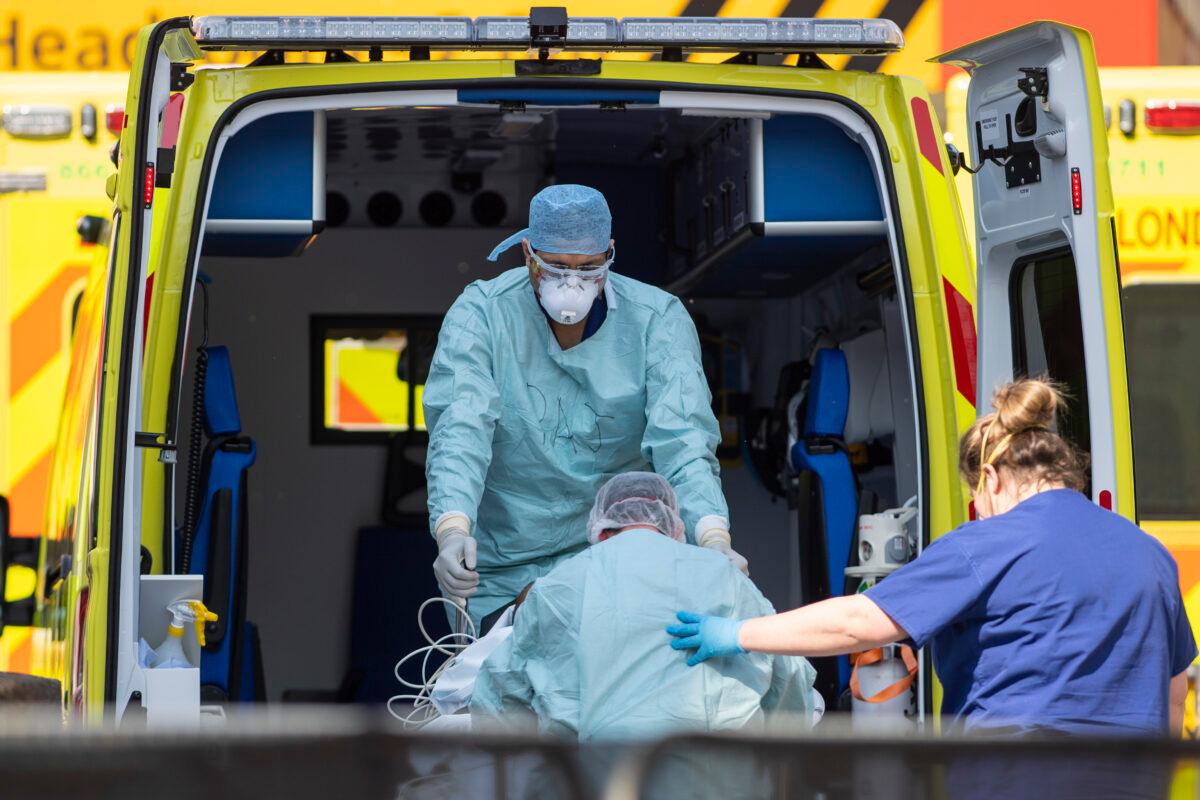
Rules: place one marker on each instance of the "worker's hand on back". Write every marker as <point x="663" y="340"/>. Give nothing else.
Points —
<point x="735" y="558"/>
<point x="455" y="564"/>
<point x="709" y="636"/>
<point x="713" y="532"/>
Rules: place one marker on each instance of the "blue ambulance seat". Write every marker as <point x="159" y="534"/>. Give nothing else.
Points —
<point x="230" y="667"/>
<point x="822" y="451"/>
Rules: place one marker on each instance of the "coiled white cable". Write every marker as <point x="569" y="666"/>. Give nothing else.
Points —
<point x="423" y="711"/>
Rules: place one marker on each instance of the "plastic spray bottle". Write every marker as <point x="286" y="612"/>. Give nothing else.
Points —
<point x="170" y="654"/>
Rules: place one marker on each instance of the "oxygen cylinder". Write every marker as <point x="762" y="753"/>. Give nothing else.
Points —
<point x="883" y="689"/>
<point x="881" y="683"/>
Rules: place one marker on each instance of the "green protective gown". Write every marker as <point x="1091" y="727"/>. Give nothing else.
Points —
<point x="589" y="652"/>
<point x="522" y="433"/>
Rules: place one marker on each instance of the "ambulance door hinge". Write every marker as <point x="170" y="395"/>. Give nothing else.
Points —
<point x="811" y="61"/>
<point x="742" y="58"/>
<point x="181" y="79"/>
<point x="168" y="452"/>
<point x="269" y="58"/>
<point x="1036" y="82"/>
<point x="1020" y="160"/>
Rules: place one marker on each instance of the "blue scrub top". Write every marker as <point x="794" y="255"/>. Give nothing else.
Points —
<point x="1057" y="614"/>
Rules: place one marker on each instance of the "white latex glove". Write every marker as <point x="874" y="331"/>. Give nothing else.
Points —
<point x="735" y="558"/>
<point x="455" y="564"/>
<point x="714" y="537"/>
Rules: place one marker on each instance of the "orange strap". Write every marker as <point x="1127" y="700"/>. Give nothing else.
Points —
<point x="869" y="657"/>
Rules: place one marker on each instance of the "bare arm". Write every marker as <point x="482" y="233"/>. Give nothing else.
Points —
<point x="828" y="628"/>
<point x="1176" y="699"/>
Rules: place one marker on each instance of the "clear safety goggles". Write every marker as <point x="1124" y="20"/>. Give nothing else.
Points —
<point x="589" y="272"/>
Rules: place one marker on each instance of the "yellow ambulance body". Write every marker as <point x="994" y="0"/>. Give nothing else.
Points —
<point x="881" y="266"/>
<point x="54" y="159"/>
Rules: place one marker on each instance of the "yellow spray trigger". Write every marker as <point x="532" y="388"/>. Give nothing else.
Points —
<point x="201" y="616"/>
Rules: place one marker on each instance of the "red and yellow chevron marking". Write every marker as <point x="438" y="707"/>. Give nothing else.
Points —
<point x="37" y="329"/>
<point x="962" y="341"/>
<point x="39" y="353"/>
<point x="40" y="336"/>
<point x="362" y="391"/>
<point x="17" y="653"/>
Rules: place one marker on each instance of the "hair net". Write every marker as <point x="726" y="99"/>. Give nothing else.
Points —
<point x="565" y="218"/>
<point x="636" y="498"/>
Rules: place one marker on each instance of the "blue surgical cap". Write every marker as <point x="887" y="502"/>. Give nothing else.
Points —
<point x="565" y="218"/>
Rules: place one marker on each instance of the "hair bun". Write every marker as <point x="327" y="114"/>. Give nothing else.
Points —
<point x="1026" y="404"/>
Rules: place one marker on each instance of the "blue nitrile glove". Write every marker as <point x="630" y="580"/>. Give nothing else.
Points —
<point x="709" y="636"/>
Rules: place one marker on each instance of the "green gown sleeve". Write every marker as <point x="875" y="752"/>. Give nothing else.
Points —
<point x="462" y="404"/>
<point x="681" y="432"/>
<point x="533" y="671"/>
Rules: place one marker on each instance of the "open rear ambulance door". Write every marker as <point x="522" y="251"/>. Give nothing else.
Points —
<point x="1047" y="278"/>
<point x="114" y="556"/>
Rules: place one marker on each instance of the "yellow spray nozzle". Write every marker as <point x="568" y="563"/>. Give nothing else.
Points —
<point x="202" y="617"/>
<point x="193" y="610"/>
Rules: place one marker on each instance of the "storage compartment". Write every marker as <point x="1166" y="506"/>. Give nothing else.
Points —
<point x="268" y="195"/>
<point x="170" y="696"/>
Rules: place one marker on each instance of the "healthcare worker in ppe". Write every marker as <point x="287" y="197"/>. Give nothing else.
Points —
<point x="587" y="653"/>
<point x="1046" y="613"/>
<point x="548" y="380"/>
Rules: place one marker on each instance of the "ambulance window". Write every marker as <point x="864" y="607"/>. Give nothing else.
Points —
<point x="1048" y="335"/>
<point x="368" y="376"/>
<point x="1162" y="337"/>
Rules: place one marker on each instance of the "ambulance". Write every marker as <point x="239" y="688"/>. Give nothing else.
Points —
<point x="242" y="423"/>
<point x="56" y="131"/>
<point x="1152" y="116"/>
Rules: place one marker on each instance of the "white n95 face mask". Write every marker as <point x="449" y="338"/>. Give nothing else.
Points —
<point x="568" y="300"/>
<point x="568" y="294"/>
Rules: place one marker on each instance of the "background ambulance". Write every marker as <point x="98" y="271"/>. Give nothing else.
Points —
<point x="56" y="130"/>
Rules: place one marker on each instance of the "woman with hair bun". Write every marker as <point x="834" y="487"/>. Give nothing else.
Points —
<point x="1046" y="613"/>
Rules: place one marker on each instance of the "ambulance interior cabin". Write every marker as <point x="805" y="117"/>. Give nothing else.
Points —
<point x="335" y="241"/>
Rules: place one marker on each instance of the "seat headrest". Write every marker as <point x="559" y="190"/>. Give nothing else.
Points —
<point x="869" y="415"/>
<point x="828" y="394"/>
<point x="221" y="416"/>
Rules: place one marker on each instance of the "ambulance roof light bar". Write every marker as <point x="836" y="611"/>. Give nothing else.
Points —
<point x="539" y="31"/>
